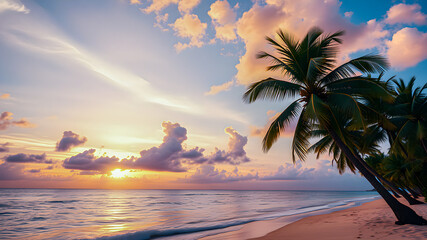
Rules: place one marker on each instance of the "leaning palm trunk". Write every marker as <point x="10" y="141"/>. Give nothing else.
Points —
<point x="404" y="214"/>
<point x="322" y="87"/>
<point x="394" y="193"/>
<point x="411" y="201"/>
<point x="413" y="193"/>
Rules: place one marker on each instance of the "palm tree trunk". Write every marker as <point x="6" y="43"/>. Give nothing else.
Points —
<point x="394" y="193"/>
<point x="404" y="214"/>
<point x="413" y="192"/>
<point x="411" y="201"/>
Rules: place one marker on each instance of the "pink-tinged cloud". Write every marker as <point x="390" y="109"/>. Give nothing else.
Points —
<point x="89" y="162"/>
<point x="209" y="174"/>
<point x="6" y="120"/>
<point x="189" y="26"/>
<point x="223" y="19"/>
<point x="5" y="96"/>
<point x="184" y="6"/>
<point x="407" y="48"/>
<point x="170" y="156"/>
<point x="165" y="157"/>
<point x="290" y="171"/>
<point x="297" y="17"/>
<point x="28" y="158"/>
<point x="406" y="14"/>
<point x="158" y="5"/>
<point x="4" y="147"/>
<point x="68" y="141"/>
<point x="220" y="88"/>
<point x="235" y="154"/>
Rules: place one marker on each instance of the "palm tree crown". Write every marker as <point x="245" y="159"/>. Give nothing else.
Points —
<point x="323" y="88"/>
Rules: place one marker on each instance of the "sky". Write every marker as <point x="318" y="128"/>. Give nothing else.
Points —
<point x="148" y="94"/>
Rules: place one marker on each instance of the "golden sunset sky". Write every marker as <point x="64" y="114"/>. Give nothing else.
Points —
<point x="148" y="94"/>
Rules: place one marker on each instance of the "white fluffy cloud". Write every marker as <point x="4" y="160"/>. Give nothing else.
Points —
<point x="224" y="19"/>
<point x="406" y="13"/>
<point x="13" y="5"/>
<point x="189" y="26"/>
<point x="184" y="6"/>
<point x="297" y="17"/>
<point x="407" y="48"/>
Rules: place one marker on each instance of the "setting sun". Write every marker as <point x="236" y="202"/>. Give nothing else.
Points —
<point x="118" y="173"/>
<point x="213" y="119"/>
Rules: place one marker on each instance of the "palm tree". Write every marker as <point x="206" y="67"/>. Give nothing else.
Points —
<point x="325" y="91"/>
<point x="365" y="142"/>
<point x="410" y="112"/>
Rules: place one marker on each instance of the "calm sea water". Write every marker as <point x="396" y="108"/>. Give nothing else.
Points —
<point x="146" y="214"/>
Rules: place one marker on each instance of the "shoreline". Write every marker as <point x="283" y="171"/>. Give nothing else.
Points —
<point x="369" y="220"/>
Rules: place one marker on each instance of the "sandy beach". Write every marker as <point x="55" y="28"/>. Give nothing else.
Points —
<point x="372" y="220"/>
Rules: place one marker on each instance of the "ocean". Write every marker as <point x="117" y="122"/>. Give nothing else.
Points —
<point x="153" y="214"/>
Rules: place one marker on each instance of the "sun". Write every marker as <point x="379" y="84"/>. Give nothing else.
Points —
<point x="118" y="173"/>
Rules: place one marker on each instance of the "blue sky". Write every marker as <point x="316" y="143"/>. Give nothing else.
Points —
<point x="116" y="72"/>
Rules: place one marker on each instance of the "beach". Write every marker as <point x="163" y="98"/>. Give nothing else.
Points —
<point x="372" y="220"/>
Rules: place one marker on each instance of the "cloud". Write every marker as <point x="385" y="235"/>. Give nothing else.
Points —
<point x="261" y="131"/>
<point x="6" y="120"/>
<point x="220" y="88"/>
<point x="89" y="162"/>
<point x="158" y="5"/>
<point x="348" y="14"/>
<point x="224" y="19"/>
<point x="135" y="2"/>
<point x="236" y="153"/>
<point x="170" y="156"/>
<point x="297" y="17"/>
<point x="407" y="48"/>
<point x="5" y="96"/>
<point x="25" y="158"/>
<point x="11" y="171"/>
<point x="406" y="13"/>
<point x="290" y="171"/>
<point x="184" y="6"/>
<point x="13" y="5"/>
<point x="34" y="171"/>
<point x="208" y="174"/>
<point x="4" y="147"/>
<point x="322" y="170"/>
<point x="189" y="26"/>
<point x="68" y="141"/>
<point x="167" y="156"/>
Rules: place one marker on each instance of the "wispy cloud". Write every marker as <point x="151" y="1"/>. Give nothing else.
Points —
<point x="13" y="5"/>
<point x="44" y="40"/>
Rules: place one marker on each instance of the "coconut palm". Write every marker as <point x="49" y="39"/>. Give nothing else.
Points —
<point x="365" y="142"/>
<point x="324" y="91"/>
<point x="410" y="114"/>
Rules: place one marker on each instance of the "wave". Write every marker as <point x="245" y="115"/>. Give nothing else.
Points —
<point x="156" y="233"/>
<point x="63" y="201"/>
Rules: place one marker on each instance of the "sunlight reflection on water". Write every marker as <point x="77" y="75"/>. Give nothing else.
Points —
<point x="85" y="214"/>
